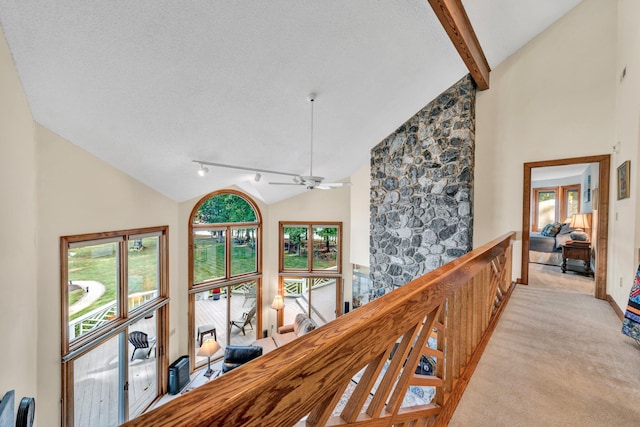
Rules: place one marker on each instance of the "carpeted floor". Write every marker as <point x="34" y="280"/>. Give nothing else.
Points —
<point x="556" y="358"/>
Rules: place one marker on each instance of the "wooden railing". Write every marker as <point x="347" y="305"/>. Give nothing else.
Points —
<point x="360" y="369"/>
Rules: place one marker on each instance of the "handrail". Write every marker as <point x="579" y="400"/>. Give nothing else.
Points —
<point x="446" y="315"/>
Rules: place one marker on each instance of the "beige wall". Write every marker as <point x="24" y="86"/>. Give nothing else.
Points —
<point x="360" y="215"/>
<point x="625" y="212"/>
<point x="78" y="193"/>
<point x="18" y="257"/>
<point x="554" y="98"/>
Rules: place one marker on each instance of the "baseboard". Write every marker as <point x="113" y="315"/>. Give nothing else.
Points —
<point x="615" y="307"/>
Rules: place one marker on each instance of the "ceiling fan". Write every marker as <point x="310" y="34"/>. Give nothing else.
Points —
<point x="310" y="181"/>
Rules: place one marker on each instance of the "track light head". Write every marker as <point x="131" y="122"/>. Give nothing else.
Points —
<point x="203" y="170"/>
<point x="257" y="177"/>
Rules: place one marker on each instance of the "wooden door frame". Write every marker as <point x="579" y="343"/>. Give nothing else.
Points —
<point x="604" y="163"/>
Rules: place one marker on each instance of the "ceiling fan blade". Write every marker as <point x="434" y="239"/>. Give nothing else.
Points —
<point x="337" y="184"/>
<point x="284" y="183"/>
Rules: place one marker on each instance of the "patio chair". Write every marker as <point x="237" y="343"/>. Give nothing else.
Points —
<point x="245" y="320"/>
<point x="141" y="341"/>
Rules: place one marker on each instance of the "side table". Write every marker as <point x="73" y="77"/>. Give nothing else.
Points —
<point x="580" y="252"/>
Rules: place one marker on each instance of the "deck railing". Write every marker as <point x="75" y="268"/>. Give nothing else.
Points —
<point x="367" y="367"/>
<point x="104" y="313"/>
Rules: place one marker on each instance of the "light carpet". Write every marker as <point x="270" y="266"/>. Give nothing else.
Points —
<point x="556" y="358"/>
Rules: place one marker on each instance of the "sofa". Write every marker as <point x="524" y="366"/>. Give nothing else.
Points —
<point x="287" y="333"/>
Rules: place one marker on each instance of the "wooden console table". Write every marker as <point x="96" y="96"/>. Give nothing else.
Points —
<point x="580" y="252"/>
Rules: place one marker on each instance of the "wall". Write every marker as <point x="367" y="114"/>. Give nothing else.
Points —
<point x="627" y="211"/>
<point x="360" y="191"/>
<point x="78" y="193"/>
<point x="422" y="190"/>
<point x="552" y="99"/>
<point x="18" y="272"/>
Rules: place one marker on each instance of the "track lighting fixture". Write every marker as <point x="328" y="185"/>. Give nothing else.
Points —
<point x="203" y="170"/>
<point x="257" y="177"/>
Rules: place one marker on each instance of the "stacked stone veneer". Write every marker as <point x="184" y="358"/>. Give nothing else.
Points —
<point x="422" y="191"/>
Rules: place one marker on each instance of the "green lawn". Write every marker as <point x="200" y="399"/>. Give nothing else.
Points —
<point x="209" y="259"/>
<point x="98" y="263"/>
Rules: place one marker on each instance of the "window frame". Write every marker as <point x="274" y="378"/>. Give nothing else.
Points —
<point x="309" y="272"/>
<point x="228" y="279"/>
<point x="560" y="211"/>
<point x="72" y="350"/>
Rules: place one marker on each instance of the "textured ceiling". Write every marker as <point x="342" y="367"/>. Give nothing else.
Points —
<point x="150" y="85"/>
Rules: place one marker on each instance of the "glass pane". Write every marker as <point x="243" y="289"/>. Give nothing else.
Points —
<point x="546" y="208"/>
<point x="296" y="298"/>
<point x="224" y="208"/>
<point x="323" y="300"/>
<point x="209" y="260"/>
<point x="295" y="248"/>
<point x="572" y="203"/>
<point x="211" y="320"/>
<point x="143" y="364"/>
<point x="243" y="314"/>
<point x="144" y="267"/>
<point x="95" y="386"/>
<point x="243" y="251"/>
<point x="325" y="248"/>
<point x="93" y="287"/>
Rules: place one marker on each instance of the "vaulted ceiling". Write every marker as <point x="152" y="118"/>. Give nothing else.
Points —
<point x="150" y="85"/>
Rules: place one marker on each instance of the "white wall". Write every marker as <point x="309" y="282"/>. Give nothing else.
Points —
<point x="625" y="215"/>
<point x="18" y="257"/>
<point x="552" y="99"/>
<point x="360" y="215"/>
<point x="78" y="193"/>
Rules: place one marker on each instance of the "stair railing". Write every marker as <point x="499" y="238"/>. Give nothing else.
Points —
<point x="368" y="367"/>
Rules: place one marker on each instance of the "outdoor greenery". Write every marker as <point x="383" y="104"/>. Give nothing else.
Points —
<point x="209" y="258"/>
<point x="99" y="263"/>
<point x="296" y="247"/>
<point x="224" y="208"/>
<point x="75" y="295"/>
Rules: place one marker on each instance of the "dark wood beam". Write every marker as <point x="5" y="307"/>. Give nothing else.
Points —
<point x="456" y="23"/>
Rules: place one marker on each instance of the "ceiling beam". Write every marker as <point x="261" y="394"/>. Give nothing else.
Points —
<point x="456" y="23"/>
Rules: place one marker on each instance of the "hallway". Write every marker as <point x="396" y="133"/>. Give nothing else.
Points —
<point x="556" y="358"/>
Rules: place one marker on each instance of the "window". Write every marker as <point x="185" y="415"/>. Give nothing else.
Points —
<point x="113" y="284"/>
<point x="310" y="271"/>
<point x="225" y="272"/>
<point x="554" y="204"/>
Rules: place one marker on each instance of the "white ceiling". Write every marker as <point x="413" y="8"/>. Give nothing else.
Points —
<point x="558" y="172"/>
<point x="150" y="85"/>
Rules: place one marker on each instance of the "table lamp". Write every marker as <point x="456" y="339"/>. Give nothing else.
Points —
<point x="579" y="222"/>
<point x="208" y="349"/>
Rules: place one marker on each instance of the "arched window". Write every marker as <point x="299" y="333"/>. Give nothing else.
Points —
<point x="225" y="272"/>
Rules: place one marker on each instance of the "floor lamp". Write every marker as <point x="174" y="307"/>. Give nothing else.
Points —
<point x="208" y="349"/>
<point x="277" y="305"/>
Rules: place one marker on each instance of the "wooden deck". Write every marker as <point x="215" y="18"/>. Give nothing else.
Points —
<point x="96" y="373"/>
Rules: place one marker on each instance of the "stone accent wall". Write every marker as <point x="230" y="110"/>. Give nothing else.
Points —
<point x="422" y="190"/>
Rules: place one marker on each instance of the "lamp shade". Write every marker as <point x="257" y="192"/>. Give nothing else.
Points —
<point x="208" y="348"/>
<point x="579" y="221"/>
<point x="278" y="303"/>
